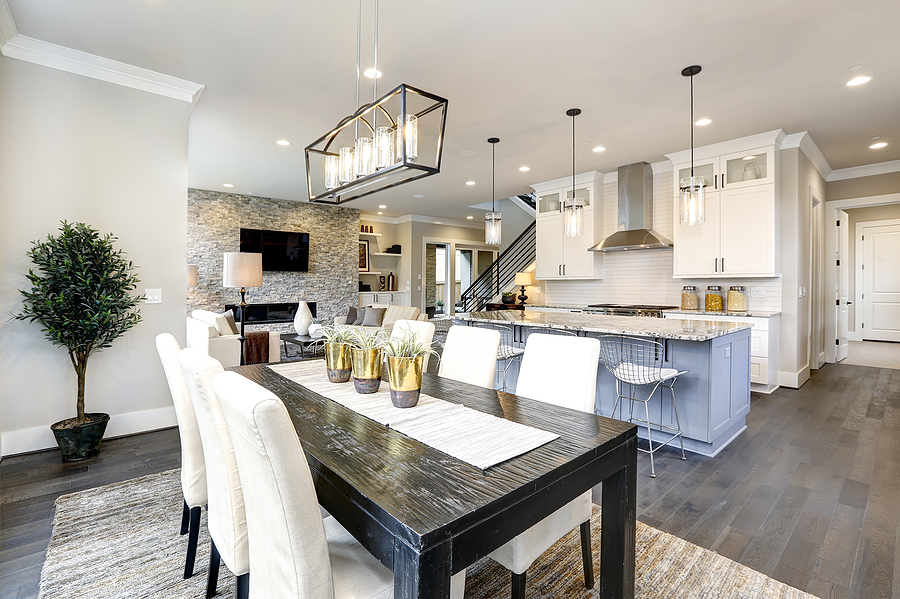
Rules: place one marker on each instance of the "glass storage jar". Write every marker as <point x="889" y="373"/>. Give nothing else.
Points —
<point x="689" y="299"/>
<point x="737" y="300"/>
<point x="715" y="301"/>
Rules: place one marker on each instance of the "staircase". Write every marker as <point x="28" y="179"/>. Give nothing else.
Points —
<point x="501" y="274"/>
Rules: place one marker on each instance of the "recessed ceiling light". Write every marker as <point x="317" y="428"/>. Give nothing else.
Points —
<point x="381" y="213"/>
<point x="470" y="182"/>
<point x="437" y="222"/>
<point x="283" y="142"/>
<point x="470" y="217"/>
<point x="418" y="195"/>
<point x="227" y="185"/>
<point x="323" y="57"/>
<point x="702" y="122"/>
<point x="855" y="67"/>
<point x="599" y="149"/>
<point x="524" y="168"/>
<point x="878" y="145"/>
<point x="584" y="143"/>
<point x="876" y="137"/>
<point x="372" y="73"/>
<point x="858" y="81"/>
<point x="382" y="206"/>
<point x="750" y="157"/>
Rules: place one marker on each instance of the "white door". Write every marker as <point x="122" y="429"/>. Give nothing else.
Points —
<point x="578" y="261"/>
<point x="548" y="247"/>
<point x="696" y="247"/>
<point x="843" y="284"/>
<point x="747" y="231"/>
<point x="881" y="283"/>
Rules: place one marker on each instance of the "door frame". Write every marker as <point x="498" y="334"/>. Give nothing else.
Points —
<point x="831" y="208"/>
<point x="452" y="244"/>
<point x="859" y="274"/>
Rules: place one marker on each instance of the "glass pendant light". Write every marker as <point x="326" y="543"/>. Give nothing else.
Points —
<point x="492" y="218"/>
<point x="692" y="190"/>
<point x="573" y="208"/>
<point x="347" y="166"/>
<point x="384" y="147"/>
<point x="410" y="133"/>
<point x="332" y="171"/>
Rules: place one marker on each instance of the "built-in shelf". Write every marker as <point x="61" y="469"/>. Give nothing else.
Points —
<point x="370" y="273"/>
<point x="361" y="234"/>
<point x="384" y="254"/>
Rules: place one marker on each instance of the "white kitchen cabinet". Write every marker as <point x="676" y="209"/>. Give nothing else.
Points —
<point x="740" y="235"/>
<point x="558" y="256"/>
<point x="383" y="297"/>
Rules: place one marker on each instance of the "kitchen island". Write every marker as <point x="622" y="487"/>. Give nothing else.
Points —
<point x="713" y="397"/>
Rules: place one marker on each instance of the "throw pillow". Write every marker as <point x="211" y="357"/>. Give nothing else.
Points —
<point x="374" y="317"/>
<point x="229" y="316"/>
<point x="351" y="316"/>
<point x="221" y="324"/>
<point x="360" y="315"/>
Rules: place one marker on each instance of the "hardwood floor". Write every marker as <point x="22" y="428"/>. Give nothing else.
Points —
<point x="808" y="494"/>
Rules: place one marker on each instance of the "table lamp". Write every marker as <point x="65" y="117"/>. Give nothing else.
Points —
<point x="242" y="270"/>
<point x="523" y="279"/>
<point x="192" y="277"/>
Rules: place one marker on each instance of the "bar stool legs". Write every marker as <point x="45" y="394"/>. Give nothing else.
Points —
<point x="649" y="424"/>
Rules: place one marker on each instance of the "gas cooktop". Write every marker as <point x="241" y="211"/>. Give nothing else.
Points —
<point x="632" y="307"/>
<point x="625" y="310"/>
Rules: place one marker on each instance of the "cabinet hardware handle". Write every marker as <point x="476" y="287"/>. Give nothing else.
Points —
<point x="723" y="180"/>
<point x="723" y="264"/>
<point x="716" y="265"/>
<point x="716" y="182"/>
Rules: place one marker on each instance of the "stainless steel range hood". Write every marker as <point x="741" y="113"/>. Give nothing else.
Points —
<point x="635" y="230"/>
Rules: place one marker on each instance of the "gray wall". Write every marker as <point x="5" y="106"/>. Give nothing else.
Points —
<point x="116" y="158"/>
<point x="214" y="223"/>
<point x="863" y="187"/>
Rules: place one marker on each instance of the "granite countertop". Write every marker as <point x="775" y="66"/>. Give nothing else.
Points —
<point x="700" y="314"/>
<point x="662" y="328"/>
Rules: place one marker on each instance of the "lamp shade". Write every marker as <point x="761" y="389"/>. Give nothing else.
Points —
<point x="242" y="269"/>
<point x="191" y="275"/>
<point x="524" y="278"/>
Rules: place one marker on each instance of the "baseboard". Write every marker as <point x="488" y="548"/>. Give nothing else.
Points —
<point x="36" y="439"/>
<point x="854" y="336"/>
<point x="794" y="380"/>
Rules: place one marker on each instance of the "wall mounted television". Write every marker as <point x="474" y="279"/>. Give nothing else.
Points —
<point x="281" y="250"/>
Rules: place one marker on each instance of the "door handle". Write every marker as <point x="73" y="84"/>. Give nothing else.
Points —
<point x="716" y="267"/>
<point x="716" y="182"/>
<point x="723" y="264"/>
<point x="849" y="303"/>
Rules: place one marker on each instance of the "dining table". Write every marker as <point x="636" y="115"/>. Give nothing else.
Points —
<point x="426" y="515"/>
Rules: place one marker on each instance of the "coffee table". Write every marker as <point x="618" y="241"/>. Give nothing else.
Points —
<point x="303" y="341"/>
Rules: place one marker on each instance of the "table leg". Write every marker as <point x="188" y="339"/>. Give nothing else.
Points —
<point x="618" y="529"/>
<point x="421" y="575"/>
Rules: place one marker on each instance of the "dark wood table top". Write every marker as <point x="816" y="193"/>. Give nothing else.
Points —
<point x="420" y="494"/>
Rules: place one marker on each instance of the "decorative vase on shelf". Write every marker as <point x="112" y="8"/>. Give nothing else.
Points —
<point x="302" y="319"/>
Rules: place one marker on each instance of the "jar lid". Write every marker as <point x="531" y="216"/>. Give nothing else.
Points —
<point x="689" y="288"/>
<point x="737" y="288"/>
<point x="714" y="288"/>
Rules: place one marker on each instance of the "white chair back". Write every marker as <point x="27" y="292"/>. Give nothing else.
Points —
<point x="227" y="521"/>
<point x="423" y="330"/>
<point x="560" y="370"/>
<point x="288" y="549"/>
<point x="470" y="355"/>
<point x="193" y="466"/>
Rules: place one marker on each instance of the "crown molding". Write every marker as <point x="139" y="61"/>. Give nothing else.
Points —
<point x="431" y="220"/>
<point x="867" y="170"/>
<point x="804" y="141"/>
<point x="663" y="166"/>
<point x="27" y="49"/>
<point x="374" y="218"/>
<point x="769" y="138"/>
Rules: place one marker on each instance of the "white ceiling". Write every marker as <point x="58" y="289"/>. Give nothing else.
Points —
<point x="509" y="68"/>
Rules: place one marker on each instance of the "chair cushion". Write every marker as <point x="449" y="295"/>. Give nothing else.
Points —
<point x="519" y="553"/>
<point x="374" y="317"/>
<point x="636" y="374"/>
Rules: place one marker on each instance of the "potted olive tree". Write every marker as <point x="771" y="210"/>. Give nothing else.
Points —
<point x="81" y="296"/>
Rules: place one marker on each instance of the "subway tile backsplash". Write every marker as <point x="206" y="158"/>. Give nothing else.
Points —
<point x="645" y="276"/>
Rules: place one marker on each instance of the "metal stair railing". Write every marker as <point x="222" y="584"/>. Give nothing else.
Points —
<point x="501" y="273"/>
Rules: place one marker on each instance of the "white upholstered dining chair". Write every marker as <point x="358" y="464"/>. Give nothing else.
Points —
<point x="423" y="330"/>
<point x="470" y="355"/>
<point x="560" y="370"/>
<point x="193" y="466"/>
<point x="226" y="520"/>
<point x="294" y="552"/>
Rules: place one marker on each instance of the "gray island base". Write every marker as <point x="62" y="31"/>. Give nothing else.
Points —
<point x="713" y="397"/>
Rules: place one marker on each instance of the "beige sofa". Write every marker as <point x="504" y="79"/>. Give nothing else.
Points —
<point x="391" y="316"/>
<point x="212" y="334"/>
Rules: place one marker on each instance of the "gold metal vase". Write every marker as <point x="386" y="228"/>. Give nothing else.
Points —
<point x="337" y="362"/>
<point x="367" y="365"/>
<point x="405" y="379"/>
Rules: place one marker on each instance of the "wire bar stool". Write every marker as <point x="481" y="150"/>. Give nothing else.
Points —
<point x="637" y="362"/>
<point x="507" y="352"/>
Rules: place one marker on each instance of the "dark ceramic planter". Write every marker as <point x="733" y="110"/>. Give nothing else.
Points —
<point x="81" y="441"/>
<point x="508" y="300"/>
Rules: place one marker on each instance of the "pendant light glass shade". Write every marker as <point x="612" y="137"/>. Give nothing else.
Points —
<point x="384" y="147"/>
<point x="332" y="171"/>
<point x="492" y="226"/>
<point x="692" y="190"/>
<point x="692" y="200"/>
<point x="365" y="157"/>
<point x="410" y="134"/>
<point x="347" y="166"/>
<point x="573" y="217"/>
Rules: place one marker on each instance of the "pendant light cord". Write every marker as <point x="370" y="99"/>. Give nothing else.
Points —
<point x="375" y="74"/>
<point x="573" y="160"/>
<point x="358" y="36"/>
<point x="493" y="176"/>
<point x="692" y="130"/>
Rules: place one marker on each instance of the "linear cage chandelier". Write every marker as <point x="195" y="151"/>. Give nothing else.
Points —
<point x="369" y="152"/>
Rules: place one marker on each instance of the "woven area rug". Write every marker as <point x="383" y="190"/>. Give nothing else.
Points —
<point x="122" y="541"/>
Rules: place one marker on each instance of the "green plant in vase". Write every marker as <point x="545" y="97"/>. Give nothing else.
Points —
<point x="366" y="357"/>
<point x="508" y="297"/>
<point x="81" y="296"/>
<point x="405" y="362"/>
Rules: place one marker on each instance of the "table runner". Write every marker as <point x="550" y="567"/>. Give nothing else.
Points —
<point x="474" y="437"/>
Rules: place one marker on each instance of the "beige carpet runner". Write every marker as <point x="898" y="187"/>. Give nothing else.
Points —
<point x="122" y="541"/>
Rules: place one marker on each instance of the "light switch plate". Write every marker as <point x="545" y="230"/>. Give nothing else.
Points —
<point x="757" y="292"/>
<point x="153" y="296"/>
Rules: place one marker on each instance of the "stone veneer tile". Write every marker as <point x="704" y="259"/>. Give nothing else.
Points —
<point x="214" y="222"/>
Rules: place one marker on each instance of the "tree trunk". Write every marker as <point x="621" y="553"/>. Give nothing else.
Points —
<point x="80" y="369"/>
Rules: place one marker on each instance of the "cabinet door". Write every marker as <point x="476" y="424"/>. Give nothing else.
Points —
<point x="708" y="169"/>
<point x="747" y="231"/>
<point x="548" y="203"/>
<point x="746" y="169"/>
<point x="549" y="247"/>
<point x="366" y="298"/>
<point x="696" y="247"/>
<point x="578" y="262"/>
